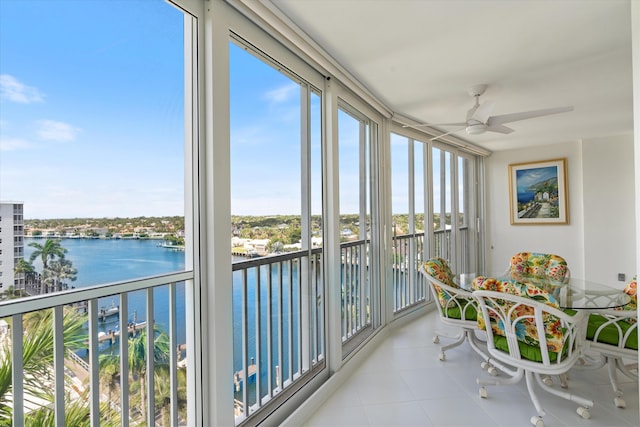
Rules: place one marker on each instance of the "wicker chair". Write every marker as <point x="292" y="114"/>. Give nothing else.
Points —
<point x="457" y="308"/>
<point x="528" y="335"/>
<point x="613" y="334"/>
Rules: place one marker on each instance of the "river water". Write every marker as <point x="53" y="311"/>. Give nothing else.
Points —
<point x="101" y="261"/>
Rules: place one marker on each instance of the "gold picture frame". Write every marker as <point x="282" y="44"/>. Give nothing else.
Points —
<point x="538" y="192"/>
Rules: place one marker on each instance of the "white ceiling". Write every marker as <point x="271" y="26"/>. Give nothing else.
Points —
<point x="420" y="57"/>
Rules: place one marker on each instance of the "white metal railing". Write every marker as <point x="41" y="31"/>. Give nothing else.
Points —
<point x="278" y="318"/>
<point x="443" y="246"/>
<point x="356" y="287"/>
<point x="86" y="389"/>
<point x="409" y="286"/>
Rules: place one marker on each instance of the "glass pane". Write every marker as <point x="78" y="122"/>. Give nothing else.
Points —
<point x="265" y="157"/>
<point x="419" y="188"/>
<point x="438" y="190"/>
<point x="92" y="142"/>
<point x="92" y="139"/>
<point x="316" y="171"/>
<point x="448" y="188"/>
<point x="349" y="170"/>
<point x="399" y="184"/>
<point x="462" y="191"/>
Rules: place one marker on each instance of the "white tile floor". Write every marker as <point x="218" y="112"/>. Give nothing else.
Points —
<point x="404" y="384"/>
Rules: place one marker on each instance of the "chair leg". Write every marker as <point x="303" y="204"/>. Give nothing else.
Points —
<point x="625" y="369"/>
<point x="459" y="339"/>
<point x="476" y="343"/>
<point x="583" y="410"/>
<point x="612" y="364"/>
<point x="513" y="378"/>
<point x="532" y="394"/>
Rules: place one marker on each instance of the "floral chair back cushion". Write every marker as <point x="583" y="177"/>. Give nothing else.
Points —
<point x="538" y="264"/>
<point x="632" y="290"/>
<point x="528" y="333"/>
<point x="439" y="269"/>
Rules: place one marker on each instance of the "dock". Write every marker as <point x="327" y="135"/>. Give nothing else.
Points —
<point x="238" y="377"/>
<point x="112" y="335"/>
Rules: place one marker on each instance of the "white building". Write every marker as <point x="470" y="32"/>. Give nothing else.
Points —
<point x="11" y="243"/>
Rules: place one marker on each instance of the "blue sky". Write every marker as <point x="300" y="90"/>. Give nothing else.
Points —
<point x="91" y="108"/>
<point x="92" y="121"/>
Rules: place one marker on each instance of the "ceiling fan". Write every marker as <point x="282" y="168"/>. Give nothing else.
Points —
<point x="479" y="119"/>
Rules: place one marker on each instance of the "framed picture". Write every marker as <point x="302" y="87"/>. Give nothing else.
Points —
<point x="538" y="192"/>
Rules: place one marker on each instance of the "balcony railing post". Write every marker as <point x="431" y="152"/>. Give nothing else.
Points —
<point x="124" y="360"/>
<point x="17" y="369"/>
<point x="58" y="364"/>
<point x="94" y="374"/>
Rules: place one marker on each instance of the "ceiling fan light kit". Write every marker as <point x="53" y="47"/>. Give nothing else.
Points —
<point x="476" y="128"/>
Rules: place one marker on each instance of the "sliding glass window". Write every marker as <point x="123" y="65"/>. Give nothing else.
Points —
<point x="276" y="230"/>
<point x="408" y="206"/>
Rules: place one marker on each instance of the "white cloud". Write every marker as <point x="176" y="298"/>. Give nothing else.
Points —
<point x="282" y="94"/>
<point x="12" y="90"/>
<point x="56" y="131"/>
<point x="11" y="144"/>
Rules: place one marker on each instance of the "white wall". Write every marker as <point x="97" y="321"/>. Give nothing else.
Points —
<point x="600" y="181"/>
<point x="609" y="209"/>
<point x="504" y="239"/>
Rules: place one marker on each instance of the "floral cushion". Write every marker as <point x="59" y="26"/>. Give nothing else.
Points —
<point x="538" y="264"/>
<point x="439" y="269"/>
<point x="632" y="290"/>
<point x="527" y="333"/>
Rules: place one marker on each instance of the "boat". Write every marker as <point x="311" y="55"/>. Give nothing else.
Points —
<point x="167" y="245"/>
<point x="104" y="313"/>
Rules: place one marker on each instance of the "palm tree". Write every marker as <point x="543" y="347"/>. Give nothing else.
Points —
<point x="109" y="370"/>
<point x="57" y="271"/>
<point x="50" y="250"/>
<point x="37" y="358"/>
<point x="163" y="393"/>
<point x="137" y="358"/>
<point x="25" y="268"/>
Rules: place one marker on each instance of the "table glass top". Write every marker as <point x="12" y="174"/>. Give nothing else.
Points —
<point x="576" y="293"/>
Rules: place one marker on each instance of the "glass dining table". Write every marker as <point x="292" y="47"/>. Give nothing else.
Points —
<point x="573" y="293"/>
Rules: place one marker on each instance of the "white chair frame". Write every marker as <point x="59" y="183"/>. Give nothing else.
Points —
<point x="613" y="355"/>
<point x="514" y="365"/>
<point x="462" y="300"/>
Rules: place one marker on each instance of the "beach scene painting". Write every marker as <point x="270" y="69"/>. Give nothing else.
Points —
<point x="538" y="192"/>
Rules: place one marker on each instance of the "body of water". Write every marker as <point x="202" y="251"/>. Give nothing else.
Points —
<point x="103" y="261"/>
<point x="100" y="261"/>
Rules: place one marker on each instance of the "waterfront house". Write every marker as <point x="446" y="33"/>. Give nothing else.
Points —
<point x="382" y="66"/>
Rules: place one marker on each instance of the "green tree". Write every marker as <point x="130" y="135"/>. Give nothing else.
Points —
<point x="37" y="358"/>
<point x="27" y="269"/>
<point x="294" y="234"/>
<point x="163" y="394"/>
<point x="47" y="251"/>
<point x="58" y="271"/>
<point x="109" y="372"/>
<point x="137" y="360"/>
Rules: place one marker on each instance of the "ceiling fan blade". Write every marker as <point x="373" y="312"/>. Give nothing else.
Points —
<point x="500" y="129"/>
<point x="514" y="117"/>
<point x="435" y="124"/>
<point x="450" y="132"/>
<point x="482" y="112"/>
